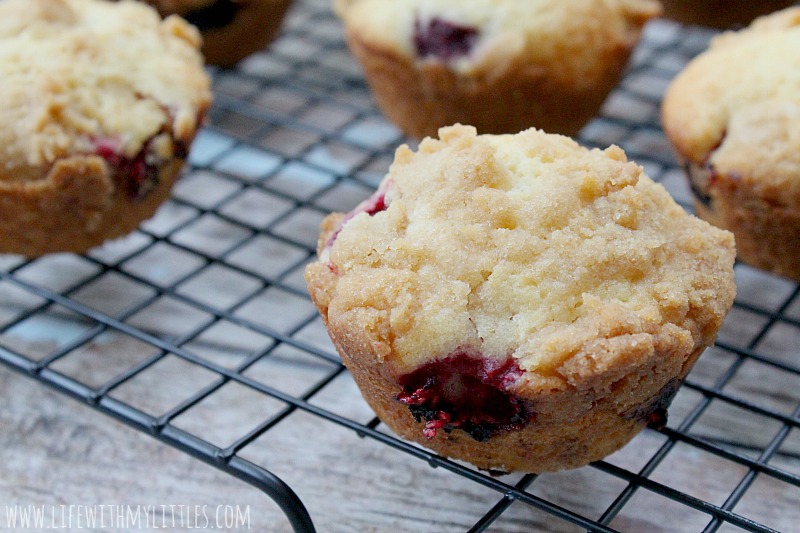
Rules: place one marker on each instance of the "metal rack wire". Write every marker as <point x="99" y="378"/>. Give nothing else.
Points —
<point x="208" y="297"/>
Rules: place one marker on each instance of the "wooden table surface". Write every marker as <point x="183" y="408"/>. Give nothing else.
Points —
<point x="224" y="258"/>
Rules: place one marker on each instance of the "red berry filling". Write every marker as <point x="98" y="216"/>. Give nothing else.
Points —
<point x="700" y="179"/>
<point x="372" y="205"/>
<point x="442" y="39"/>
<point x="138" y="175"/>
<point x="462" y="392"/>
<point x="703" y="176"/>
<point x="654" y="412"/>
<point x="140" y="172"/>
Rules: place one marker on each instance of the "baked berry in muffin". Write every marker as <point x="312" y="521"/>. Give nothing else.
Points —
<point x="98" y="106"/>
<point x="499" y="65"/>
<point x="732" y="115"/>
<point x="518" y="301"/>
<point x="720" y="13"/>
<point x="231" y="29"/>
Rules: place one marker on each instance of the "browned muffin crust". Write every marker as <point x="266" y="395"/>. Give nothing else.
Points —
<point x="722" y="14"/>
<point x="231" y="29"/>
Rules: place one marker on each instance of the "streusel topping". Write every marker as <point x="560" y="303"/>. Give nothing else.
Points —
<point x="526" y="246"/>
<point x="82" y="75"/>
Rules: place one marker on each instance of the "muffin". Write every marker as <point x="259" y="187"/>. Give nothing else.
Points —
<point x="518" y="301"/>
<point x="732" y="115"/>
<point x="231" y="29"/>
<point x="721" y="14"/>
<point x="499" y="65"/>
<point x="98" y="106"/>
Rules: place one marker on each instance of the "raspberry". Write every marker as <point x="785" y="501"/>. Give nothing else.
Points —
<point x="464" y="392"/>
<point x="372" y="205"/>
<point x="137" y="173"/>
<point x="442" y="39"/>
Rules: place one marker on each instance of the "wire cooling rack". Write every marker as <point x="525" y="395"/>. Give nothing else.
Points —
<point x="197" y="328"/>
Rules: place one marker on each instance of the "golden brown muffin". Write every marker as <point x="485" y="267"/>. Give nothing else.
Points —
<point x="732" y="115"/>
<point x="723" y="14"/>
<point x="231" y="29"/>
<point x="518" y="301"/>
<point x="98" y="106"/>
<point x="499" y="65"/>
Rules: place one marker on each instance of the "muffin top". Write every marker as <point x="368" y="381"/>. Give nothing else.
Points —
<point x="568" y="39"/>
<point x="736" y="107"/>
<point x="89" y="77"/>
<point x="568" y="260"/>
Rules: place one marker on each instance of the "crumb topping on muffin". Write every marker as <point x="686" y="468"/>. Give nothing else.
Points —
<point x="526" y="248"/>
<point x="735" y="108"/>
<point x="480" y="35"/>
<point x="518" y="301"/>
<point x="84" y="77"/>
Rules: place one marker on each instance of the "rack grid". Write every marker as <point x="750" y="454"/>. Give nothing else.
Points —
<point x="197" y="328"/>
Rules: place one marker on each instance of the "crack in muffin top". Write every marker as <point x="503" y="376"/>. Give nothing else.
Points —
<point x="571" y="261"/>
